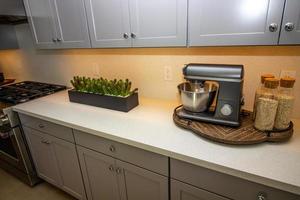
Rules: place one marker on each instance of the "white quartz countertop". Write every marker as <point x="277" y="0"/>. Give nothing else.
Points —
<point x="150" y="126"/>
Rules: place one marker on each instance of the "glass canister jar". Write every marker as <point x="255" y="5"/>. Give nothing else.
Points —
<point x="266" y="107"/>
<point x="285" y="98"/>
<point x="259" y="91"/>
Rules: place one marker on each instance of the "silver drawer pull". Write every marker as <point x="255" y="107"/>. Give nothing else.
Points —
<point x="111" y="168"/>
<point x="119" y="170"/>
<point x="45" y="141"/>
<point x="112" y="148"/>
<point x="262" y="196"/>
<point x="41" y="126"/>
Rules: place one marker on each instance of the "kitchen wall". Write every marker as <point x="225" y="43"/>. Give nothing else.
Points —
<point x="145" y="67"/>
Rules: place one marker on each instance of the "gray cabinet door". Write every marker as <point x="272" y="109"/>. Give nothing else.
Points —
<point x="290" y="31"/>
<point x="56" y="162"/>
<point x="71" y="23"/>
<point x="40" y="16"/>
<point x="43" y="156"/>
<point x="99" y="175"/>
<point x="108" y="23"/>
<point x="234" y="22"/>
<point x="68" y="165"/>
<point x="158" y="23"/>
<point x="182" y="191"/>
<point x="137" y="183"/>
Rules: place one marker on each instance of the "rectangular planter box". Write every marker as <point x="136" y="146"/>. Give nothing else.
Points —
<point x="111" y="102"/>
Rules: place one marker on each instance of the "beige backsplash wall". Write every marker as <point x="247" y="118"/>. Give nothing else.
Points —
<point x="145" y="67"/>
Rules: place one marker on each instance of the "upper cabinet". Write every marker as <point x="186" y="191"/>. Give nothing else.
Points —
<point x="137" y="23"/>
<point x="162" y="23"/>
<point x="109" y="23"/>
<point x="158" y="23"/>
<point x="58" y="24"/>
<point x="235" y="22"/>
<point x="290" y="31"/>
<point x="41" y="22"/>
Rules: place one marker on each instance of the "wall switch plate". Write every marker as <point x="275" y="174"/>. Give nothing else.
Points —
<point x="168" y="75"/>
<point x="285" y="73"/>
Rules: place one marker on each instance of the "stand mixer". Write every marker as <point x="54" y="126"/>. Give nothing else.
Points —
<point x="212" y="93"/>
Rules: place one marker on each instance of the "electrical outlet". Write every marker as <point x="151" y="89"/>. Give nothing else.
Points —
<point x="285" y="73"/>
<point x="96" y="69"/>
<point x="168" y="75"/>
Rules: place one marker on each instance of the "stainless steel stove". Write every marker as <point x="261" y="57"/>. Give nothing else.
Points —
<point x="14" y="154"/>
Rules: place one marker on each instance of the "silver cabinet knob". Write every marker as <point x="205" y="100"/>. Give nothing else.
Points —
<point x="112" y="148"/>
<point x="273" y="27"/>
<point x="261" y="196"/>
<point x="58" y="39"/>
<point x="54" y="39"/>
<point x="125" y="36"/>
<point x="119" y="170"/>
<point x="289" y="27"/>
<point x="46" y="141"/>
<point x="133" y="35"/>
<point x="111" y="168"/>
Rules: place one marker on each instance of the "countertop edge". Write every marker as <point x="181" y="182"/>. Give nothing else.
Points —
<point x="202" y="163"/>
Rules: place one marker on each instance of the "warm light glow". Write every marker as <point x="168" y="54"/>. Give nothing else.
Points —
<point x="253" y="8"/>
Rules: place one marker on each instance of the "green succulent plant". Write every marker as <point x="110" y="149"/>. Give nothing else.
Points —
<point x="103" y="86"/>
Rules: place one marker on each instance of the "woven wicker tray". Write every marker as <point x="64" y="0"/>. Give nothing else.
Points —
<point x="245" y="134"/>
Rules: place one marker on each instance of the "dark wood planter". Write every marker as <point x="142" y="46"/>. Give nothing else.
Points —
<point x="111" y="102"/>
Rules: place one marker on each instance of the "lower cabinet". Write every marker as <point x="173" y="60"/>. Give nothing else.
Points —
<point x="101" y="169"/>
<point x="56" y="162"/>
<point x="191" y="182"/>
<point x="182" y="191"/>
<point x="108" y="178"/>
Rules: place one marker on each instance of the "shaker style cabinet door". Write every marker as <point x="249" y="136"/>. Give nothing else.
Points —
<point x="69" y="169"/>
<point x="58" y="24"/>
<point x="40" y="17"/>
<point x="108" y="23"/>
<point x="56" y="162"/>
<point x="234" y="22"/>
<point x="71" y="23"/>
<point x="158" y="23"/>
<point x="182" y="191"/>
<point x="43" y="156"/>
<point x="137" y="183"/>
<point x="99" y="175"/>
<point x="290" y="31"/>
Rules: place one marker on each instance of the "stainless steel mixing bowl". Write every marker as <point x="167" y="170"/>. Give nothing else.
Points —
<point x="197" y="97"/>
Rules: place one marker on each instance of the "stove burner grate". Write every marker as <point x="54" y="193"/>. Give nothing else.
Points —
<point x="27" y="90"/>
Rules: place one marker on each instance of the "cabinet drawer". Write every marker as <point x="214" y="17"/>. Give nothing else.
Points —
<point x="182" y="191"/>
<point x="145" y="159"/>
<point x="223" y="184"/>
<point x="53" y="129"/>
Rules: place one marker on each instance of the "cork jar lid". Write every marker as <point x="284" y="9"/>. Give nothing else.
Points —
<point x="287" y="82"/>
<point x="271" y="83"/>
<point x="264" y="76"/>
